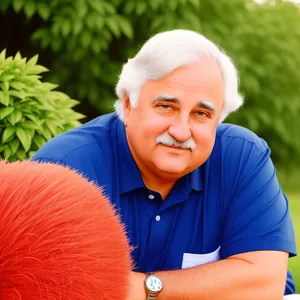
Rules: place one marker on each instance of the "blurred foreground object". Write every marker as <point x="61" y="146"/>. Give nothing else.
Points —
<point x="60" y="238"/>
<point x="31" y="113"/>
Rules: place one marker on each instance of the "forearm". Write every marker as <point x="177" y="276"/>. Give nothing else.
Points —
<point x="226" y="279"/>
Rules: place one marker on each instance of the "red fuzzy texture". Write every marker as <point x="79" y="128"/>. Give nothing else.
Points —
<point x="60" y="237"/>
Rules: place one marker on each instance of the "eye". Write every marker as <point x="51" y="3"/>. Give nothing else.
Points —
<point x="202" y="114"/>
<point x="164" y="106"/>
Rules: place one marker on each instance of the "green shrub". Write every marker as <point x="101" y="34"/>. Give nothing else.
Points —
<point x="31" y="112"/>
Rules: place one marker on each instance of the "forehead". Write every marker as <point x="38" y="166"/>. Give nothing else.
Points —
<point x="200" y="81"/>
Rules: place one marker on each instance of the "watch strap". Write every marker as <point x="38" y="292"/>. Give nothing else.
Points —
<point x="151" y="296"/>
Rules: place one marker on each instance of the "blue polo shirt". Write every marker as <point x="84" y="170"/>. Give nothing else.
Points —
<point x="231" y="204"/>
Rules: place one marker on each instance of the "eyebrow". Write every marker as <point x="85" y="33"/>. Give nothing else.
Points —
<point x="165" y="97"/>
<point x="202" y="104"/>
<point x="207" y="105"/>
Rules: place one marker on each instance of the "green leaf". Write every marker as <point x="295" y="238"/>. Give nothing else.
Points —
<point x="82" y="8"/>
<point x="265" y="117"/>
<point x="126" y="27"/>
<point x="39" y="34"/>
<point x="192" y="20"/>
<point x="44" y="105"/>
<point x="8" y="133"/>
<point x="33" y="118"/>
<point x="18" y="94"/>
<point x="47" y="86"/>
<point x="4" y="112"/>
<point x="29" y="8"/>
<point x="9" y="60"/>
<point x="37" y="69"/>
<point x="195" y="3"/>
<point x="109" y="7"/>
<point x="18" y="85"/>
<point x="14" y="145"/>
<point x="52" y="127"/>
<point x="66" y="28"/>
<point x="155" y="4"/>
<point x="39" y="140"/>
<point x="2" y="55"/>
<point x="96" y="47"/>
<point x="113" y="26"/>
<point x="21" y="154"/>
<point x="29" y="133"/>
<point x="24" y="139"/>
<point x="77" y="116"/>
<point x="7" y="152"/>
<point x="43" y="10"/>
<point x="17" y="5"/>
<point x="56" y="44"/>
<point x="4" y="98"/>
<point x="86" y="39"/>
<point x="30" y="125"/>
<point x="77" y="27"/>
<point x="4" y="86"/>
<point x="15" y="117"/>
<point x="141" y="7"/>
<point x="91" y="22"/>
<point x="18" y="56"/>
<point x="74" y="124"/>
<point x="31" y="153"/>
<point x="129" y="7"/>
<point x="32" y="61"/>
<point x="98" y="7"/>
<point x="46" y="133"/>
<point x="7" y="77"/>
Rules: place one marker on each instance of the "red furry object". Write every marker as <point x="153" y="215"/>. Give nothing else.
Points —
<point x="60" y="237"/>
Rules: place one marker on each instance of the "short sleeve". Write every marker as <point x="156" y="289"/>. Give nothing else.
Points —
<point x="257" y="215"/>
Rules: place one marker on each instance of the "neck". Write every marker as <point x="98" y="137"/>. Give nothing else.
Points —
<point x="152" y="178"/>
<point x="158" y="184"/>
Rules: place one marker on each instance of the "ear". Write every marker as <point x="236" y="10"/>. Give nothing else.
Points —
<point x="127" y="107"/>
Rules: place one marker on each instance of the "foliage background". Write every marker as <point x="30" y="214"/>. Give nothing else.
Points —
<point x="85" y="42"/>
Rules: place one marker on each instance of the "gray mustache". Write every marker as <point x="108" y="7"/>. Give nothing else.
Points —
<point x="168" y="140"/>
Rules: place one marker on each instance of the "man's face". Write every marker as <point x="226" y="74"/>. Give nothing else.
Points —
<point x="178" y="111"/>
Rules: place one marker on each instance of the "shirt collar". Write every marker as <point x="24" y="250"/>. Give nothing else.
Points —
<point x="129" y="175"/>
<point x="197" y="178"/>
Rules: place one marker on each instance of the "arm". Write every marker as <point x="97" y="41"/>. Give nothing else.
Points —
<point x="247" y="276"/>
<point x="257" y="235"/>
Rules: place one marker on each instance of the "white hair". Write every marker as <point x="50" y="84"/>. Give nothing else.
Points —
<point x="165" y="52"/>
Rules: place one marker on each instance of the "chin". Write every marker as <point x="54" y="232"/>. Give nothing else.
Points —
<point x="175" y="169"/>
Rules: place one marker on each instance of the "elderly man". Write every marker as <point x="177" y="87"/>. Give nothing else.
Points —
<point x="200" y="199"/>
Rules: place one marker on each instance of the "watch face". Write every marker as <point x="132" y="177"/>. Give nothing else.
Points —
<point x="153" y="283"/>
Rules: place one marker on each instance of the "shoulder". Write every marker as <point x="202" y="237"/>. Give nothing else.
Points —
<point x="83" y="140"/>
<point x="238" y="155"/>
<point x="238" y="136"/>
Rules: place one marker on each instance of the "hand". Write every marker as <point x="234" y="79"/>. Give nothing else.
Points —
<point x="137" y="287"/>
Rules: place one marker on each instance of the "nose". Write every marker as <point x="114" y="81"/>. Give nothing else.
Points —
<point x="180" y="130"/>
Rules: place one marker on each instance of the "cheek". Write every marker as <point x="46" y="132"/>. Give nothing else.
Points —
<point x="205" y="138"/>
<point x="153" y="127"/>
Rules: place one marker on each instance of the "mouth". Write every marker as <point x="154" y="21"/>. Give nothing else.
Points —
<point x="175" y="147"/>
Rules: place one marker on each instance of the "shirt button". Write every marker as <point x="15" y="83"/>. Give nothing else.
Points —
<point x="157" y="218"/>
<point x="151" y="197"/>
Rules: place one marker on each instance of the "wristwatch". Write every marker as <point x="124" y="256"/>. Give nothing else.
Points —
<point x="153" y="285"/>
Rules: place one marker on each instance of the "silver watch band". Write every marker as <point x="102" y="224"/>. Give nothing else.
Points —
<point x="151" y="296"/>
